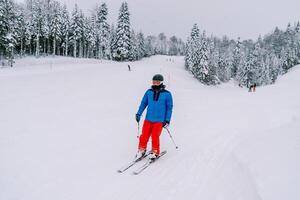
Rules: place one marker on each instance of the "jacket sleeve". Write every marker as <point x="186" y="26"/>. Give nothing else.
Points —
<point x="144" y="104"/>
<point x="169" y="106"/>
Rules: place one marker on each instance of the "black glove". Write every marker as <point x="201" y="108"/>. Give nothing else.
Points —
<point x="137" y="118"/>
<point x="166" y="124"/>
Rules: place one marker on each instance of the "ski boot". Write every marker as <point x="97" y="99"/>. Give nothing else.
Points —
<point x="140" y="154"/>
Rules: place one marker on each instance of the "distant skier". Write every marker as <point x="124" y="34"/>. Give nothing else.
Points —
<point x="254" y="87"/>
<point x="160" y="104"/>
<point x="129" y="69"/>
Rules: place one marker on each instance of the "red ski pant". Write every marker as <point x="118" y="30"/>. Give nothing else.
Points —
<point x="152" y="129"/>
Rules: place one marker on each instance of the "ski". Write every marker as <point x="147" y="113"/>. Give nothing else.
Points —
<point x="133" y="163"/>
<point x="147" y="164"/>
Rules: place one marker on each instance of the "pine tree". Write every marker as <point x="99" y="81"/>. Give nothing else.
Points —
<point x="173" y="46"/>
<point x="102" y="32"/>
<point x="297" y="41"/>
<point x="133" y="52"/>
<point x="3" y="30"/>
<point x="236" y="58"/>
<point x="290" y="50"/>
<point x="141" y="46"/>
<point x="242" y="70"/>
<point x="224" y="66"/>
<point x="188" y="54"/>
<point x="149" y="46"/>
<point x="255" y="66"/>
<point x="7" y="30"/>
<point x="274" y="67"/>
<point x="20" y="29"/>
<point x="193" y="48"/>
<point x="91" y="37"/>
<point x="76" y="29"/>
<point x="65" y="30"/>
<point x="55" y="24"/>
<point x="38" y="22"/>
<point x="204" y="73"/>
<point x="161" y="46"/>
<point x="199" y="55"/>
<point x="112" y="41"/>
<point x="213" y="60"/>
<point x="122" y="48"/>
<point x="197" y="59"/>
<point x="47" y="8"/>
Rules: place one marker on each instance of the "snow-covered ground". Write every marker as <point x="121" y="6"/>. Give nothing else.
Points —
<point x="67" y="125"/>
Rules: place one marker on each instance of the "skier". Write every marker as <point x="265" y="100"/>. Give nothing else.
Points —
<point x="254" y="87"/>
<point x="159" y="105"/>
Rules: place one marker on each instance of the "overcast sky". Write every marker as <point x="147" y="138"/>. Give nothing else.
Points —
<point x="244" y="18"/>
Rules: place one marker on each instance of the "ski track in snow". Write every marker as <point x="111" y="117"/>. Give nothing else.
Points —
<point x="67" y="125"/>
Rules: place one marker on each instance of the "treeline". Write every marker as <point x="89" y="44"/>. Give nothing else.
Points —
<point x="213" y="61"/>
<point x="45" y="27"/>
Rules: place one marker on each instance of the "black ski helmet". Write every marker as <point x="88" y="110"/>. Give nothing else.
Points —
<point x="158" y="77"/>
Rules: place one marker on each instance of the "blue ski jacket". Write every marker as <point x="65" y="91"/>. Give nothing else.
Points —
<point x="160" y="105"/>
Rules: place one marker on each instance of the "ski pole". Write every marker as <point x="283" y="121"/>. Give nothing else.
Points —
<point x="138" y="133"/>
<point x="171" y="138"/>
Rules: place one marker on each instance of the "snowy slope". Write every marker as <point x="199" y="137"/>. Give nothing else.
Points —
<point x="67" y="125"/>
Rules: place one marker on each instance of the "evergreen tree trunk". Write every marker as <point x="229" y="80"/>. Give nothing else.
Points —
<point x="48" y="46"/>
<point x="37" y="50"/>
<point x="80" y="49"/>
<point x="30" y="47"/>
<point x="67" y="45"/>
<point x="75" y="49"/>
<point x="99" y="52"/>
<point x="54" y="45"/>
<point x="45" y="44"/>
<point x="21" y="53"/>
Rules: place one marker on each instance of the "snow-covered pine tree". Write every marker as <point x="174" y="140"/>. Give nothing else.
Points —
<point x="297" y="40"/>
<point x="161" y="46"/>
<point x="241" y="75"/>
<point x="20" y="29"/>
<point x="3" y="31"/>
<point x="122" y="45"/>
<point x="29" y="42"/>
<point x="255" y="66"/>
<point x="182" y="47"/>
<point x="149" y="46"/>
<point x="82" y="34"/>
<point x="55" y="24"/>
<point x="274" y="67"/>
<point x="76" y="29"/>
<point x="236" y="58"/>
<point x="173" y="46"/>
<point x="46" y="26"/>
<point x="91" y="37"/>
<point x="203" y="72"/>
<point x="193" y="48"/>
<point x="133" y="52"/>
<point x="213" y="60"/>
<point x="65" y="30"/>
<point x="277" y="41"/>
<point x="290" y="49"/>
<point x="7" y="30"/>
<point x="224" y="66"/>
<point x="102" y="32"/>
<point x="188" y="54"/>
<point x="112" y="40"/>
<point x="38" y="22"/>
<point x="141" y="46"/>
